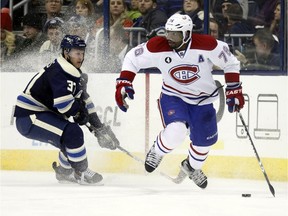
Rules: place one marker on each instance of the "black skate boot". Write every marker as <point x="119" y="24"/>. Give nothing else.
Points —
<point x="64" y="175"/>
<point x="152" y="160"/>
<point x="88" y="177"/>
<point x="197" y="176"/>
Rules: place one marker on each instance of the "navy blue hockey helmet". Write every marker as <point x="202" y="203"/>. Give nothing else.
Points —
<point x="72" y="41"/>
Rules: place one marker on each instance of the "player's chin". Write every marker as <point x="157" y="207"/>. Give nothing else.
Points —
<point x="172" y="44"/>
<point x="78" y="65"/>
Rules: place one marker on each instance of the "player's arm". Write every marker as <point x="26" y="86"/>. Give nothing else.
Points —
<point x="222" y="57"/>
<point x="136" y="59"/>
<point x="104" y="134"/>
<point x="67" y="95"/>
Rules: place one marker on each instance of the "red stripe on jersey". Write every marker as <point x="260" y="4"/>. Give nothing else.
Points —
<point x="232" y="77"/>
<point x="203" y="42"/>
<point x="184" y="93"/>
<point x="196" y="152"/>
<point x="127" y="75"/>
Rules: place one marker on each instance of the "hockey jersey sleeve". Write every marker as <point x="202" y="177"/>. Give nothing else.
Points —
<point x="138" y="58"/>
<point x="223" y="58"/>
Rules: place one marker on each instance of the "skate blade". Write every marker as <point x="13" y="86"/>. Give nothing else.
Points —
<point x="101" y="183"/>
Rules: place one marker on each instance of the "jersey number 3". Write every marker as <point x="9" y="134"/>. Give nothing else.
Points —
<point x="71" y="86"/>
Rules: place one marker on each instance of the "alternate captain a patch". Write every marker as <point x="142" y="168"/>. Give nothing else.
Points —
<point x="200" y="58"/>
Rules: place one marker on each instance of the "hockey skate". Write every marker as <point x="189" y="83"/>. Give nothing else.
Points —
<point x="88" y="177"/>
<point x="64" y="175"/>
<point x="152" y="160"/>
<point x="199" y="178"/>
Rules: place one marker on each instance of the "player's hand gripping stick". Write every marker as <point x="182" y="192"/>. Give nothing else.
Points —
<point x="234" y="97"/>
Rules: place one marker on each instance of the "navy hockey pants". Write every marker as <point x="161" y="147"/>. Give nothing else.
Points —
<point x="50" y="128"/>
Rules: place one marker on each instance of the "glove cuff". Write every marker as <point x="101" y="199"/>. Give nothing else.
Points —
<point x="232" y="77"/>
<point x="233" y="85"/>
<point x="127" y="75"/>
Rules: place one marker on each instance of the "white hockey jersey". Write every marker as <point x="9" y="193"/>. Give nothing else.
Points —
<point x="186" y="75"/>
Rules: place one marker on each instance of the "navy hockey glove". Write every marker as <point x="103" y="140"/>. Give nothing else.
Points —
<point x="83" y="85"/>
<point x="124" y="88"/>
<point x="82" y="116"/>
<point x="106" y="138"/>
<point x="234" y="97"/>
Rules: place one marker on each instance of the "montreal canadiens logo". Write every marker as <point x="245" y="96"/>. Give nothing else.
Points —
<point x="185" y="74"/>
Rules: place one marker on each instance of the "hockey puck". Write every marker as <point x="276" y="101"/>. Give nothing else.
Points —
<point x="246" y="195"/>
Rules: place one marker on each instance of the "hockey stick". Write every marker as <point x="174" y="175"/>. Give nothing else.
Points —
<point x="256" y="153"/>
<point x="180" y="177"/>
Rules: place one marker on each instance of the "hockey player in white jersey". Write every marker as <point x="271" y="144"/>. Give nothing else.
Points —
<point x="188" y="91"/>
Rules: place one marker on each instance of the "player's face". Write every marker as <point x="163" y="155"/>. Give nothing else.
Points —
<point x="76" y="57"/>
<point x="175" y="38"/>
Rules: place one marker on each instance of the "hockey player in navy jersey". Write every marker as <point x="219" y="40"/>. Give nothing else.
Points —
<point x="44" y="109"/>
<point x="188" y="91"/>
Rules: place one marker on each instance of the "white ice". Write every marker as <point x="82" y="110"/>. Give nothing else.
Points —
<point x="39" y="194"/>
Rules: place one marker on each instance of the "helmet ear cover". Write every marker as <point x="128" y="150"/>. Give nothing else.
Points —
<point x="187" y="36"/>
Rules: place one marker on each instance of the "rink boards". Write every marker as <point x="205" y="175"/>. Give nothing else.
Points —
<point x="232" y="156"/>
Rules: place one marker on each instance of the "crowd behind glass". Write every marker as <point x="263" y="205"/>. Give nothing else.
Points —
<point x="251" y="28"/>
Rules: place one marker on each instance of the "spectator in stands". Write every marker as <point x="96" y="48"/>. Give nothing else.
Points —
<point x="118" y="11"/>
<point x="9" y="41"/>
<point x="132" y="10"/>
<point x="238" y="25"/>
<point x="32" y="30"/>
<point x="275" y="24"/>
<point x="54" y="31"/>
<point x="85" y="9"/>
<point x="119" y="46"/>
<point x="192" y="9"/>
<point x="265" y="14"/>
<point x="214" y="29"/>
<point x="77" y="25"/>
<point x="220" y="13"/>
<point x="120" y="41"/>
<point x="152" y="16"/>
<point x="98" y="8"/>
<point x="265" y="55"/>
<point x="53" y="9"/>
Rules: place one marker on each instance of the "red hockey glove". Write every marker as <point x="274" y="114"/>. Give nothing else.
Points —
<point x="124" y="88"/>
<point x="234" y="97"/>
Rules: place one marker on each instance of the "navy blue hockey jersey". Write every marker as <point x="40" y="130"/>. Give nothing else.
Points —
<point x="53" y="89"/>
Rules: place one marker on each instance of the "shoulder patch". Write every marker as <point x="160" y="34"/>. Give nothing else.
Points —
<point x="158" y="44"/>
<point x="67" y="67"/>
<point x="203" y="42"/>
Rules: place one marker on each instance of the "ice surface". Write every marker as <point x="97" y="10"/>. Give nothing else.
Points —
<point x="39" y="194"/>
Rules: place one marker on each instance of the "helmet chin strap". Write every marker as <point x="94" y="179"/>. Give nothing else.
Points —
<point x="183" y="41"/>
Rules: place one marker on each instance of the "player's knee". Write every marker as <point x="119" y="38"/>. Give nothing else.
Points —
<point x="23" y="125"/>
<point x="176" y="132"/>
<point x="72" y="136"/>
